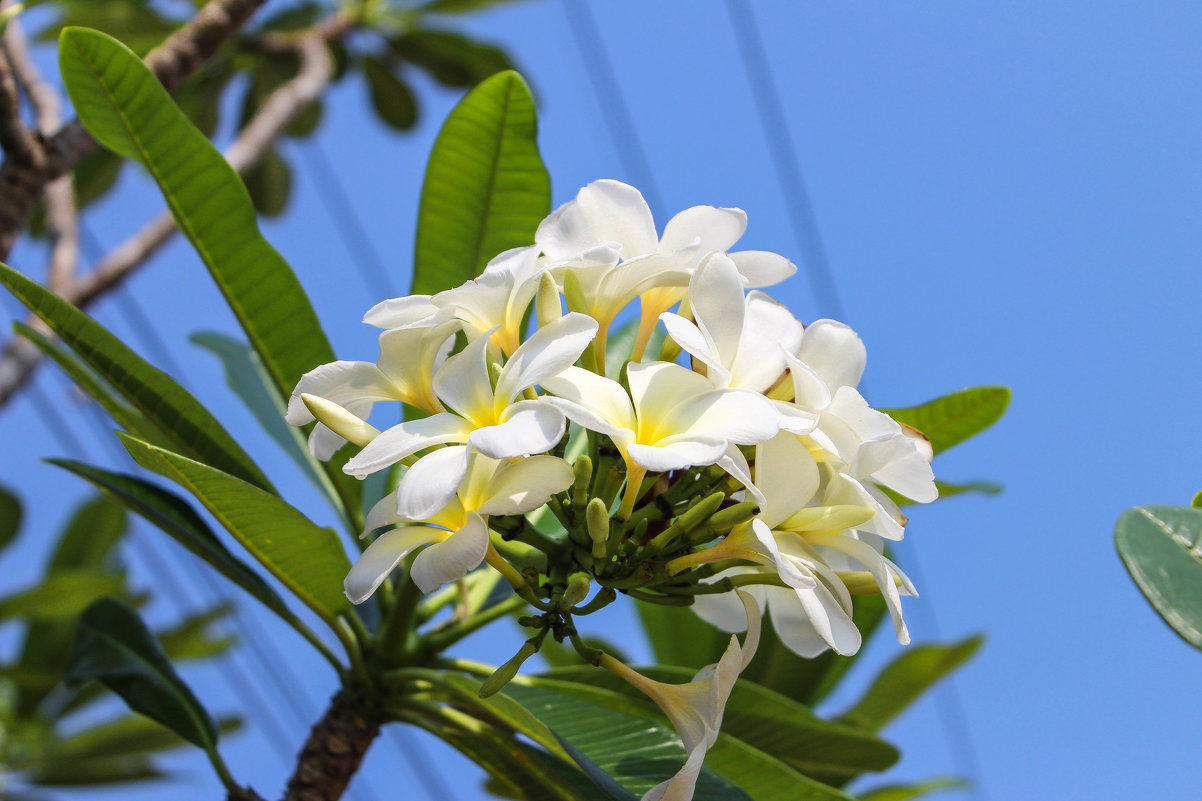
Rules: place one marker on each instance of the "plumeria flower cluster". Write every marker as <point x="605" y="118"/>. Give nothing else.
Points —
<point x="736" y="469"/>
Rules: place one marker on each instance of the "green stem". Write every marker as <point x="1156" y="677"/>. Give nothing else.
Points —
<point x="394" y="635"/>
<point x="223" y="772"/>
<point x="439" y="640"/>
<point x="663" y="600"/>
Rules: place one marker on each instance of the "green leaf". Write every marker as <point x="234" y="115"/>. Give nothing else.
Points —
<point x="628" y="738"/>
<point x="459" y="6"/>
<point x="87" y="772"/>
<point x="94" y="528"/>
<point x="1160" y="546"/>
<point x="450" y="58"/>
<point x="124" y="106"/>
<point x="126" y="736"/>
<point x="270" y="184"/>
<point x="1197" y="501"/>
<point x="131" y="21"/>
<point x="176" y="517"/>
<point x="678" y="637"/>
<point x="954" y="418"/>
<point x="114" y="646"/>
<point x="63" y="594"/>
<point x="307" y="559"/>
<point x="179" y="417"/>
<point x="486" y="188"/>
<point x="94" y="175"/>
<point x="390" y="97"/>
<point x="190" y="638"/>
<point x="775" y="724"/>
<point x="94" y="386"/>
<point x="244" y="374"/>
<point x="905" y="792"/>
<point x="10" y="517"/>
<point x="904" y="679"/>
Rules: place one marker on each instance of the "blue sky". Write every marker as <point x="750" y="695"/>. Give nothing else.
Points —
<point x="1007" y="194"/>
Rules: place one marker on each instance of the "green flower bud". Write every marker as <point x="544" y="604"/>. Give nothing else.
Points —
<point x="502" y="675"/>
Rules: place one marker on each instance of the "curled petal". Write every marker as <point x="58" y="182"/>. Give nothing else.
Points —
<point x="401" y="312"/>
<point x="760" y="268"/>
<point x="527" y="427"/>
<point x="384" y="554"/>
<point x="677" y="453"/>
<point x="452" y="558"/>
<point x="526" y="485"/>
<point x="406" y="439"/>
<point x="708" y="228"/>
<point x="604" y="211"/>
<point x="716" y="295"/>
<point x="552" y="349"/>
<point x="834" y="351"/>
<point x="463" y="383"/>
<point x="431" y="482"/>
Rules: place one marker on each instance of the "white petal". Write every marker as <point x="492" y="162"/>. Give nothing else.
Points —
<point x="677" y="454"/>
<point x="522" y="486"/>
<point x="407" y="439"/>
<point x="659" y="387"/>
<point x="761" y="268"/>
<point x="769" y="332"/>
<point x="787" y="474"/>
<point x="716" y="295"/>
<point x="709" y="228"/>
<point x="735" y="415"/>
<point x="602" y="397"/>
<point x="812" y="621"/>
<point x="734" y="463"/>
<point x="382" y="513"/>
<point x="341" y="382"/>
<point x="451" y="559"/>
<point x="690" y="338"/>
<point x="809" y="389"/>
<point x="604" y="211"/>
<point x="865" y="555"/>
<point x="431" y="482"/>
<point x="384" y="554"/>
<point x="551" y="349"/>
<point x="527" y="427"/>
<point x="845" y="490"/>
<point x="835" y="352"/>
<point x="463" y="383"/>
<point x="400" y="312"/>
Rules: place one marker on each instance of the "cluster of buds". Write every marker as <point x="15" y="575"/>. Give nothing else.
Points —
<point x="753" y="479"/>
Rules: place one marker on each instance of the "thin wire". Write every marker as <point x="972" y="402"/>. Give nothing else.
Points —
<point x="618" y="120"/>
<point x="750" y="43"/>
<point x="784" y="154"/>
<point x="351" y="231"/>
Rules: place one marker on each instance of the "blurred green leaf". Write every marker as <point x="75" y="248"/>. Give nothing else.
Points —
<point x="679" y="637"/>
<point x="307" y="559"/>
<point x="179" y="417"/>
<point x="94" y="175"/>
<point x="833" y="753"/>
<point x="126" y="736"/>
<point x="390" y="97"/>
<point x="1160" y="546"/>
<point x="133" y="22"/>
<point x="113" y="646"/>
<point x="486" y="188"/>
<point x="306" y="121"/>
<point x="459" y="6"/>
<point x="191" y="639"/>
<point x="62" y="594"/>
<point x="10" y="517"/>
<point x="906" y="678"/>
<point x="954" y="418"/>
<point x="452" y="59"/>
<point x="1197" y="501"/>
<point x="98" y="770"/>
<point x="270" y="184"/>
<point x="905" y="792"/>
<point x="95" y="527"/>
<point x="808" y="681"/>
<point x="176" y="517"/>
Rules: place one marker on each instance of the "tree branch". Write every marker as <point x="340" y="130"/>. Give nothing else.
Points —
<point x="334" y="750"/>
<point x="19" y="358"/>
<point x="22" y="183"/>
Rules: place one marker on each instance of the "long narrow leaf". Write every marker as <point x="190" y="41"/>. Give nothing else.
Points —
<point x="953" y="418"/>
<point x="10" y="517"/>
<point x="486" y="188"/>
<point x="307" y="559"/>
<point x="1159" y="546"/>
<point x="906" y="678"/>
<point x="114" y="646"/>
<point x="176" y="518"/>
<point x="61" y="595"/>
<point x="182" y="419"/>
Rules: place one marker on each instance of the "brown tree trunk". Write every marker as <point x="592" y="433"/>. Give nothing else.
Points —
<point x="332" y="753"/>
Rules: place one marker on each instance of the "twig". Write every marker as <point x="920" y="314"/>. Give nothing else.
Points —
<point x="18" y="142"/>
<point x="19" y="358"/>
<point x="22" y="183"/>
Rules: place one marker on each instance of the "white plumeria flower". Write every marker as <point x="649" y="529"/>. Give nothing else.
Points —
<point x="671" y="419"/>
<point x="741" y="341"/>
<point x="410" y="353"/>
<point x="696" y="709"/>
<point x="878" y="451"/>
<point x="485" y="416"/>
<point x="804" y="531"/>
<point x="458" y="532"/>
<point x="609" y="220"/>
<point x="498" y="298"/>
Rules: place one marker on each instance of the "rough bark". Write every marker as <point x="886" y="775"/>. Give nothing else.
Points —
<point x="332" y="753"/>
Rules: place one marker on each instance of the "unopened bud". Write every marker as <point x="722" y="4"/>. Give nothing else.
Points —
<point x="573" y="292"/>
<point x="547" y="308"/>
<point x="502" y="675"/>
<point x="597" y="517"/>
<point x="577" y="591"/>
<point x="730" y="517"/>
<point x="340" y="421"/>
<point x="582" y="472"/>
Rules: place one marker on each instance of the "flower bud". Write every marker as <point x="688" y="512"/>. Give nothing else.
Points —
<point x="577" y="591"/>
<point x="582" y="473"/>
<point x="573" y="292"/>
<point x="728" y="518"/>
<point x="340" y="421"/>
<point x="502" y="675"/>
<point x="547" y="308"/>
<point x="597" y="518"/>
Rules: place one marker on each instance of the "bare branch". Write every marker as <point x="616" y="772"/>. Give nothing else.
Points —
<point x="17" y="141"/>
<point x="61" y="220"/>
<point x="22" y="183"/>
<point x="19" y="358"/>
